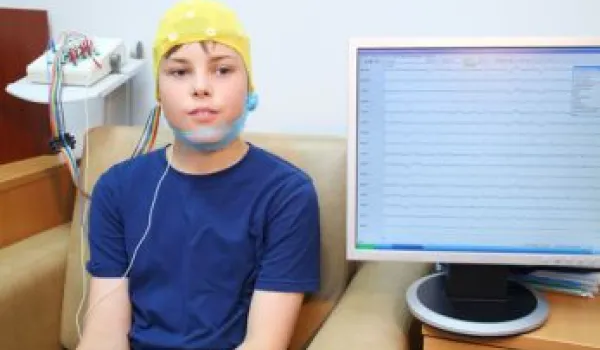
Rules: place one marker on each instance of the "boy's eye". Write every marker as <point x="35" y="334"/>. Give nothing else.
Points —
<point x="177" y="72"/>
<point x="222" y="70"/>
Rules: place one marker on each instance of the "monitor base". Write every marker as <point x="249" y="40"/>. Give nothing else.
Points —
<point x="513" y="310"/>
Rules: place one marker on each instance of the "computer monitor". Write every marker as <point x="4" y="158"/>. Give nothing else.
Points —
<point x="481" y="154"/>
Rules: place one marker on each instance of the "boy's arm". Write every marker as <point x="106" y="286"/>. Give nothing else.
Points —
<point x="271" y="321"/>
<point x="289" y="268"/>
<point x="107" y="323"/>
<point x="107" y="320"/>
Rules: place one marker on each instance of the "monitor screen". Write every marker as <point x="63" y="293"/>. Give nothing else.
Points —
<point x="485" y="152"/>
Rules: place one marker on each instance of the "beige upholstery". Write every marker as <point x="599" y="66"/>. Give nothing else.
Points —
<point x="41" y="278"/>
<point x="31" y="288"/>
<point x="374" y="301"/>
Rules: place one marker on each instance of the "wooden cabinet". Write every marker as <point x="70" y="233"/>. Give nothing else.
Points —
<point x="24" y="126"/>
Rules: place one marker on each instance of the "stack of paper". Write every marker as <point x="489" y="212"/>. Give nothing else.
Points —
<point x="586" y="283"/>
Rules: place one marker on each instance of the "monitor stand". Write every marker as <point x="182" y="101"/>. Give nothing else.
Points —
<point x="476" y="300"/>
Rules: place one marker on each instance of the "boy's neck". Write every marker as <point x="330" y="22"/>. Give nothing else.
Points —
<point x="190" y="161"/>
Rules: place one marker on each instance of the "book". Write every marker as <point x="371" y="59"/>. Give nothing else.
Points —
<point x="585" y="283"/>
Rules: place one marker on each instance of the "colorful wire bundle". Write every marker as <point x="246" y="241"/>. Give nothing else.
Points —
<point x="74" y="47"/>
<point x="148" y="137"/>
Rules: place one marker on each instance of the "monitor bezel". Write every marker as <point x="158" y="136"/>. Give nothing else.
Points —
<point x="353" y="253"/>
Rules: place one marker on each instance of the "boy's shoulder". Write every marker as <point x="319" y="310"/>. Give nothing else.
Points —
<point x="124" y="170"/>
<point x="277" y="167"/>
<point x="281" y="183"/>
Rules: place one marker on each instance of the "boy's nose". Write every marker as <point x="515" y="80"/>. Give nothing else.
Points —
<point x="202" y="86"/>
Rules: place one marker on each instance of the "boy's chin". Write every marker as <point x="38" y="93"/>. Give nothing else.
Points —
<point x="206" y="134"/>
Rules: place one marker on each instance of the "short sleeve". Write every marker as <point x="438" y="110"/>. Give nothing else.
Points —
<point x="106" y="235"/>
<point x="291" y="257"/>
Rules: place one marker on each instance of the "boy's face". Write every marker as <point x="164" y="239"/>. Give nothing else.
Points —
<point x="202" y="85"/>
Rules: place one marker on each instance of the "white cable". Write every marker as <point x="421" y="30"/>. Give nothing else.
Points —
<point x="149" y="225"/>
<point x="84" y="221"/>
<point x="128" y="101"/>
<point x="83" y="211"/>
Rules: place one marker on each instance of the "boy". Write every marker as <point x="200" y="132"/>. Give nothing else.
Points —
<point x="209" y="243"/>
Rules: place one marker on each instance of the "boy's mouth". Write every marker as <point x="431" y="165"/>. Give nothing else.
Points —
<point x="203" y="115"/>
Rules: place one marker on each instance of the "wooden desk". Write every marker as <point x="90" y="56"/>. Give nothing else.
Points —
<point x="573" y="324"/>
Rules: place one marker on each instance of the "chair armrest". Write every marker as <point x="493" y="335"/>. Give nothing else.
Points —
<point x="32" y="278"/>
<point x="36" y="194"/>
<point x="372" y="313"/>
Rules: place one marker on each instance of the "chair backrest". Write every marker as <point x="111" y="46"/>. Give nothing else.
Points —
<point x="322" y="157"/>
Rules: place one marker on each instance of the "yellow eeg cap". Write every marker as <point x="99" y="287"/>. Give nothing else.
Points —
<point x="199" y="20"/>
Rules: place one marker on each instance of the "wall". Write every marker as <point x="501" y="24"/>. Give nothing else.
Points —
<point x="300" y="52"/>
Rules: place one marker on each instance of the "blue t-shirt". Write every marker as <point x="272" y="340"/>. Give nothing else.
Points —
<point x="213" y="240"/>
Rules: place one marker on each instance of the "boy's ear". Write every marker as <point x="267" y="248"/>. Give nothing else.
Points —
<point x="252" y="101"/>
